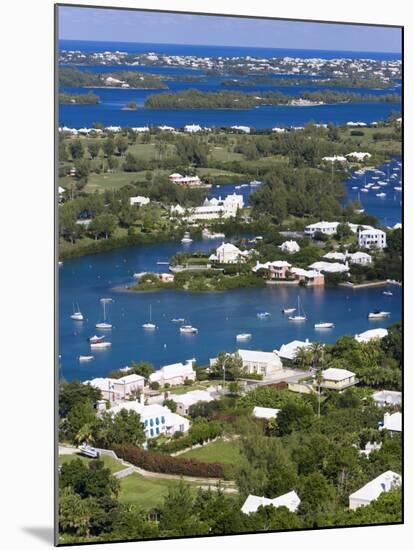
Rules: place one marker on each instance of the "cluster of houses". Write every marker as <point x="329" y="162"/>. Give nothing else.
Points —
<point x="368" y="237"/>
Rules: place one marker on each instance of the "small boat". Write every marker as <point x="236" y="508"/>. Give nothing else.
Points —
<point x="381" y="195"/>
<point x="300" y="316"/>
<point x="378" y="314"/>
<point x="188" y="329"/>
<point x="288" y="310"/>
<point x="237" y="187"/>
<point x="177" y="320"/>
<point x="355" y="187"/>
<point x="101" y="345"/>
<point x="163" y="263"/>
<point x="244" y="336"/>
<point x="388" y="293"/>
<point x="60" y="264"/>
<point x="398" y="188"/>
<point x="150" y="325"/>
<point x="255" y="183"/>
<point x="83" y="358"/>
<point x="323" y="325"/>
<point x="77" y="314"/>
<point x="364" y="190"/>
<point x="104" y="325"/>
<point x="186" y="239"/>
<point x="95" y="339"/>
<point x="263" y="314"/>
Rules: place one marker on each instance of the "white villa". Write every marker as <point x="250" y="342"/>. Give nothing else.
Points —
<point x="217" y="208"/>
<point x="338" y="379"/>
<point x="157" y="419"/>
<point x="361" y="258"/>
<point x="114" y="389"/>
<point x="372" y="334"/>
<point x="288" y="351"/>
<point x="140" y="201"/>
<point x="190" y="181"/>
<point x="373" y="489"/>
<point x="267" y="363"/>
<point x="327" y="228"/>
<point x="276" y="270"/>
<point x="290" y="247"/>
<point x="265" y="412"/>
<point x="228" y="253"/>
<point x="174" y="374"/>
<point x="186" y="400"/>
<point x="392" y="422"/>
<point x="387" y="397"/>
<point x="359" y="156"/>
<point x="372" y="238"/>
<point x="252" y="502"/>
<point x="330" y="267"/>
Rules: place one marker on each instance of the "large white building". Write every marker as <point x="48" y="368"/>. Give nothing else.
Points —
<point x="373" y="489"/>
<point x="228" y="253"/>
<point x="372" y="238"/>
<point x="290" y="247"/>
<point x="114" y="389"/>
<point x="186" y="400"/>
<point x="290" y="500"/>
<point x="157" y="419"/>
<point x="266" y="363"/>
<point x="387" y="397"/>
<point x="330" y="267"/>
<point x="372" y="334"/>
<point x="217" y="208"/>
<point x="174" y="374"/>
<point x="327" y="228"/>
<point x="289" y="351"/>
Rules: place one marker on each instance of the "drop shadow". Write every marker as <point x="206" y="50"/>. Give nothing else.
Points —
<point x="45" y="534"/>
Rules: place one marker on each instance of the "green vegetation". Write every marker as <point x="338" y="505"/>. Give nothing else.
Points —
<point x="195" y="99"/>
<point x="109" y="462"/>
<point x="69" y="76"/>
<point x="348" y="82"/>
<point x="79" y="99"/>
<point x="226" y="452"/>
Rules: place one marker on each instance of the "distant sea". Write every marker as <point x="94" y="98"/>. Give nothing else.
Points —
<point x="213" y="51"/>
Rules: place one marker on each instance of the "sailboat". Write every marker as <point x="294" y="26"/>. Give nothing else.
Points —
<point x="77" y="314"/>
<point x="104" y="325"/>
<point x="301" y="314"/>
<point x="150" y="325"/>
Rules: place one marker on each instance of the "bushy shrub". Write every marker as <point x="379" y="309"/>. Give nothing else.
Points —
<point x="157" y="462"/>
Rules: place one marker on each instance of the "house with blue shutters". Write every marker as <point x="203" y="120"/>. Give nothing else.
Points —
<point x="157" y="419"/>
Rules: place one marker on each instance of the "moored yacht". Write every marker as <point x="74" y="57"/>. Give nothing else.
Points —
<point x="377" y="314"/>
<point x="243" y="336"/>
<point x="188" y="329"/>
<point x="77" y="314"/>
<point x="323" y="325"/>
<point x="186" y="239"/>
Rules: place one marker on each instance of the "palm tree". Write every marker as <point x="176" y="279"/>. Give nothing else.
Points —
<point x="318" y="380"/>
<point x="85" y="434"/>
<point x="317" y="352"/>
<point x="302" y="357"/>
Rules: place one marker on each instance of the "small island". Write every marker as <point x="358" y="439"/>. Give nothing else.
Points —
<point x="79" y="99"/>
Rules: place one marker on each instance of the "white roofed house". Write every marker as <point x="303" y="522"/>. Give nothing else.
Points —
<point x="174" y="374"/>
<point x="330" y="267"/>
<point x="265" y="363"/>
<point x="392" y="422"/>
<point x="289" y="351"/>
<point x="114" y="389"/>
<point x="157" y="419"/>
<point x="338" y="379"/>
<point x="228" y="253"/>
<point x="373" y="489"/>
<point x="372" y="334"/>
<point x="265" y="412"/>
<point x="186" y="400"/>
<point x="290" y="247"/>
<point x="140" y="201"/>
<point x="327" y="228"/>
<point x="372" y="238"/>
<point x="252" y="502"/>
<point x="387" y="398"/>
<point x="278" y="269"/>
<point x="360" y="258"/>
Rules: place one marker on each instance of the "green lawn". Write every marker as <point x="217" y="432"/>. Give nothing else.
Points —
<point x="111" y="463"/>
<point x="145" y="492"/>
<point x="226" y="452"/>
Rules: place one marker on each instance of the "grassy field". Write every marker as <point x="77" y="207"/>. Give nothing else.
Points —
<point x="226" y="452"/>
<point x="145" y="492"/>
<point x="111" y="463"/>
